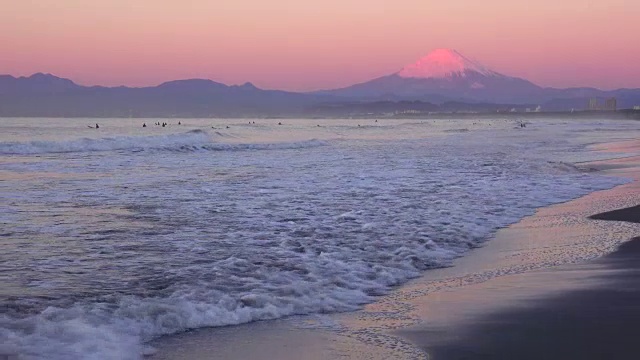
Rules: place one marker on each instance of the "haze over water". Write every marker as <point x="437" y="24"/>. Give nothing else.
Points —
<point x="114" y="236"/>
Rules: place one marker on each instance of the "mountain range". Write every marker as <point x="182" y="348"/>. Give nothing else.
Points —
<point x="436" y="82"/>
<point x="446" y="75"/>
<point x="45" y="95"/>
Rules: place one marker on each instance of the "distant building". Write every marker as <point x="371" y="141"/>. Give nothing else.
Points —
<point x="611" y="104"/>
<point x="408" y="111"/>
<point x="636" y="107"/>
<point x="538" y="109"/>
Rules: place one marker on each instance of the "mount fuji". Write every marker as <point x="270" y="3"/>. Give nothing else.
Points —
<point x="445" y="63"/>
<point x="443" y="75"/>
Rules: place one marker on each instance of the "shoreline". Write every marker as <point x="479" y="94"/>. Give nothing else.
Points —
<point x="559" y="242"/>
<point x="594" y="320"/>
<point x="594" y="316"/>
<point x="572" y="310"/>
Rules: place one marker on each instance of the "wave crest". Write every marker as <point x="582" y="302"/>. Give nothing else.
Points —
<point x="195" y="140"/>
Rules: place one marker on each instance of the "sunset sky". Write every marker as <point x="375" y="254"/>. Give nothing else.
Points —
<point x="308" y="45"/>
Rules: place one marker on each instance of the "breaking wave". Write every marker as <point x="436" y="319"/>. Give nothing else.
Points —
<point x="232" y="244"/>
<point x="287" y="265"/>
<point x="195" y="140"/>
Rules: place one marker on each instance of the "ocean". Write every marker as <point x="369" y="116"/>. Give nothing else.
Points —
<point x="115" y="236"/>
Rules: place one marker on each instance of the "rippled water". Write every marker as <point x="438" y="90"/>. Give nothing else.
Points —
<point x="112" y="237"/>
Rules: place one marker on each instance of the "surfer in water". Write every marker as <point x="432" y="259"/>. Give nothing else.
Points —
<point x="97" y="126"/>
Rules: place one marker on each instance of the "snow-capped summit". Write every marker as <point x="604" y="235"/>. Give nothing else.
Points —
<point x="443" y="63"/>
<point x="445" y="75"/>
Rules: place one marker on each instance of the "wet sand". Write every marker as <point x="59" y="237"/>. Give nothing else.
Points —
<point x="597" y="321"/>
<point x="556" y="285"/>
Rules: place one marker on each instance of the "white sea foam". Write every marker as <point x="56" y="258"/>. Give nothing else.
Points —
<point x="196" y="140"/>
<point x="167" y="242"/>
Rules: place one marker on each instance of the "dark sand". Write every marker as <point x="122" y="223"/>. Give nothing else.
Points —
<point x="630" y="214"/>
<point x="597" y="323"/>
<point x="601" y="321"/>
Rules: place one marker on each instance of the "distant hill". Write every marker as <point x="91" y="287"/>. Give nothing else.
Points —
<point x="442" y="81"/>
<point x="35" y="84"/>
<point x="48" y="95"/>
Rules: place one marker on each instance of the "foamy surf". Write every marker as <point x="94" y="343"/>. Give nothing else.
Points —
<point x="298" y="272"/>
<point x="195" y="140"/>
<point x="122" y="249"/>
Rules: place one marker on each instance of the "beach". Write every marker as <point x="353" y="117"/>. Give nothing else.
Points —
<point x="587" y="310"/>
<point x="296" y="241"/>
<point x="595" y="320"/>
<point x="559" y="284"/>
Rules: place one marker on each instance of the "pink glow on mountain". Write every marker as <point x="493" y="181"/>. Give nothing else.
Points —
<point x="443" y="63"/>
<point x="314" y="45"/>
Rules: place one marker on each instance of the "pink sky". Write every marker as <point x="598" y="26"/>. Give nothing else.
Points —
<point x="308" y="45"/>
